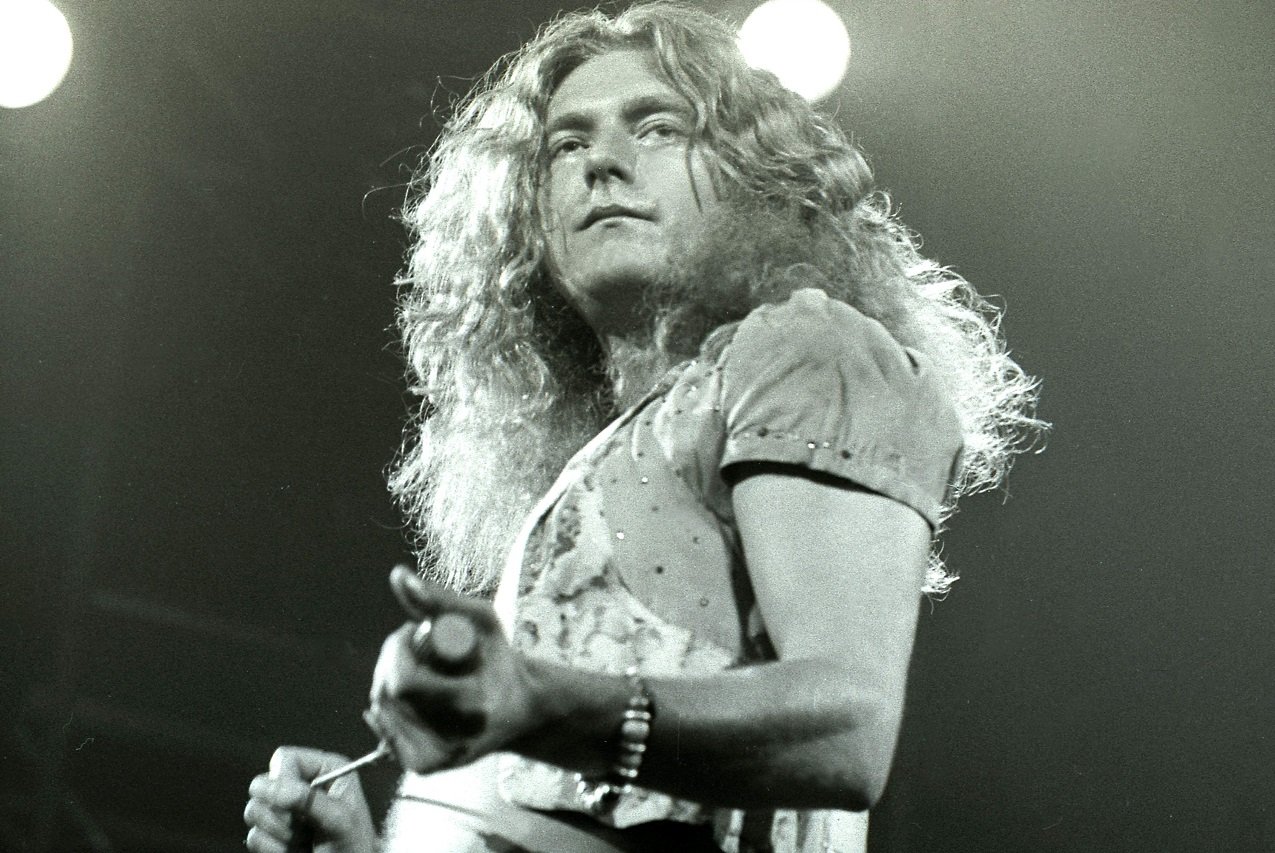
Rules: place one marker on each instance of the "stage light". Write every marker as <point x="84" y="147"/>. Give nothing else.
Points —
<point x="35" y="51"/>
<point x="802" y="42"/>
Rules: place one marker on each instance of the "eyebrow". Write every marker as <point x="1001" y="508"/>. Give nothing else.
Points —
<point x="639" y="107"/>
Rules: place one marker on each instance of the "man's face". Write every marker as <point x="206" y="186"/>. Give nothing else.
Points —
<point x="623" y="185"/>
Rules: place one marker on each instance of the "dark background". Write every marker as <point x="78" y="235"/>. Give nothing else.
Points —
<point x="199" y="394"/>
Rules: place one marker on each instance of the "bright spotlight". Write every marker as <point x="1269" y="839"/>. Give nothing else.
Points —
<point x="802" y="42"/>
<point x="35" y="51"/>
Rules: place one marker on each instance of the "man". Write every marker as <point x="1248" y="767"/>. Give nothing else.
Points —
<point x="701" y="631"/>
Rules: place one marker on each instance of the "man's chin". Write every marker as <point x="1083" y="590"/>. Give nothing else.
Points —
<point x="626" y="274"/>
<point x="616" y="294"/>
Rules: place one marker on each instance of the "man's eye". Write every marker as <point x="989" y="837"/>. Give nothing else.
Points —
<point x="661" y="131"/>
<point x="565" y="146"/>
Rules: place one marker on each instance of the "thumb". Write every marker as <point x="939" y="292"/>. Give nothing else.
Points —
<point x="421" y="599"/>
<point x="413" y="593"/>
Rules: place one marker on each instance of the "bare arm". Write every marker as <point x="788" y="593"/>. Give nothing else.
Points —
<point x="836" y="571"/>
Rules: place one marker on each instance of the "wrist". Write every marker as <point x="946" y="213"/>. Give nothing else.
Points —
<point x="600" y="796"/>
<point x="555" y="713"/>
<point x="574" y="716"/>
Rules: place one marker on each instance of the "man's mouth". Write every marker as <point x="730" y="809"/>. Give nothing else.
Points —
<point x="612" y="211"/>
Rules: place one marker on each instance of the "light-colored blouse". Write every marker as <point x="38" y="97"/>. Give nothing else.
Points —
<point x="809" y="382"/>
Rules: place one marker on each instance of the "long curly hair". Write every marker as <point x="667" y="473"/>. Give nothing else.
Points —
<point x="511" y="380"/>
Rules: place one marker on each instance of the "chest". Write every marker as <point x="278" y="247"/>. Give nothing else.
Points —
<point x="648" y="521"/>
<point x="671" y="541"/>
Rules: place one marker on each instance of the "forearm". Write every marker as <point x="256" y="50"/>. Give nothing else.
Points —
<point x="783" y="734"/>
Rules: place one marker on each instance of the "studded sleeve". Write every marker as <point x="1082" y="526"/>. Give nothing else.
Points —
<point x="814" y="383"/>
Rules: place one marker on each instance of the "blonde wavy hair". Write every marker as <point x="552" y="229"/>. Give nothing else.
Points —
<point x="512" y="382"/>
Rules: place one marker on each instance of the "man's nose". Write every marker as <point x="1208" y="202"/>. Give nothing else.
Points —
<point x="611" y="158"/>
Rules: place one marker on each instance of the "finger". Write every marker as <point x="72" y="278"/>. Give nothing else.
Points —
<point x="421" y="599"/>
<point x="399" y="674"/>
<point x="415" y="746"/>
<point x="412" y="596"/>
<point x="346" y="788"/>
<point x="270" y="820"/>
<point x="448" y="723"/>
<point x="282" y="808"/>
<point x="396" y="667"/>
<point x="287" y="794"/>
<point x="333" y="815"/>
<point x="294" y="762"/>
<point x="260" y="842"/>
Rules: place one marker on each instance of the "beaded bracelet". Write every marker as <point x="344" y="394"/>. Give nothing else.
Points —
<point x="601" y="797"/>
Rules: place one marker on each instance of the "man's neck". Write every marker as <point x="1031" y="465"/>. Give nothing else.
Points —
<point x="634" y="365"/>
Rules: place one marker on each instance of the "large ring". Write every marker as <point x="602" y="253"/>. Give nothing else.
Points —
<point x="448" y="643"/>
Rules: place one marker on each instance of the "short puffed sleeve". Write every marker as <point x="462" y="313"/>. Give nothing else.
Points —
<point x="814" y="383"/>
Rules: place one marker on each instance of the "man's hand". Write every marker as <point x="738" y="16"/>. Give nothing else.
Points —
<point x="440" y="706"/>
<point x="285" y="814"/>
